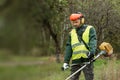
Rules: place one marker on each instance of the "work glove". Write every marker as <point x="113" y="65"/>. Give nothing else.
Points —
<point x="90" y="56"/>
<point x="65" y="66"/>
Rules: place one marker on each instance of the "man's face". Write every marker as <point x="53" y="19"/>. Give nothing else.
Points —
<point x="76" y="23"/>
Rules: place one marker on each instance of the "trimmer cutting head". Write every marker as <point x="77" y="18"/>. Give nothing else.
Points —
<point x="106" y="47"/>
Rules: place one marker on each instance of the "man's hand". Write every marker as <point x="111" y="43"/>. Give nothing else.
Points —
<point x="65" y="66"/>
<point x="90" y="56"/>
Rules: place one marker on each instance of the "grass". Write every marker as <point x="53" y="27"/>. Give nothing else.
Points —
<point x="50" y="70"/>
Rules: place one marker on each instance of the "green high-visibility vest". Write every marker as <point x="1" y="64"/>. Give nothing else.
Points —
<point x="78" y="47"/>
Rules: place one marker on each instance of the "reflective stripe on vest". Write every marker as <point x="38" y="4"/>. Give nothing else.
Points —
<point x="79" y="49"/>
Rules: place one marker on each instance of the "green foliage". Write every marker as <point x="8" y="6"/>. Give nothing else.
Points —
<point x="22" y="23"/>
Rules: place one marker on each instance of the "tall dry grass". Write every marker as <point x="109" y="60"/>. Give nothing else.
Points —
<point x="110" y="70"/>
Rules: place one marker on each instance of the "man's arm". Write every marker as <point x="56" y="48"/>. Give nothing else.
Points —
<point x="68" y="52"/>
<point x="93" y="40"/>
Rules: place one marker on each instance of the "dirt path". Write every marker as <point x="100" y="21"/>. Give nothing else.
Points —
<point x="28" y="62"/>
<point x="25" y="63"/>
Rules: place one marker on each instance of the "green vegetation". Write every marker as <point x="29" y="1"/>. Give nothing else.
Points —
<point x="30" y="29"/>
<point x="40" y="28"/>
<point x="50" y="70"/>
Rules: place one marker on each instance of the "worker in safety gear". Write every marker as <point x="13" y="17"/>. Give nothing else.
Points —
<point x="80" y="47"/>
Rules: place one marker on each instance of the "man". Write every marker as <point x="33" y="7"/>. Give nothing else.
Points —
<point x="80" y="47"/>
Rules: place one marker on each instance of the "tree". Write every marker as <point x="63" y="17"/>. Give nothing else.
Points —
<point x="44" y="25"/>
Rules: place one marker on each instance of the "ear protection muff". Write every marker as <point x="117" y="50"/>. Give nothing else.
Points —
<point x="83" y="20"/>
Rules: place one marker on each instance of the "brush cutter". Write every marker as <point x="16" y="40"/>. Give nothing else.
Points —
<point x="106" y="49"/>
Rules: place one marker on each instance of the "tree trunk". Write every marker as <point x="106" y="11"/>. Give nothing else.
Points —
<point x="54" y="36"/>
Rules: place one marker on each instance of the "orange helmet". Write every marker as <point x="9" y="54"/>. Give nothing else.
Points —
<point x="76" y="16"/>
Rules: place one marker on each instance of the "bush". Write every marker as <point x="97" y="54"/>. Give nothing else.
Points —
<point x="5" y="55"/>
